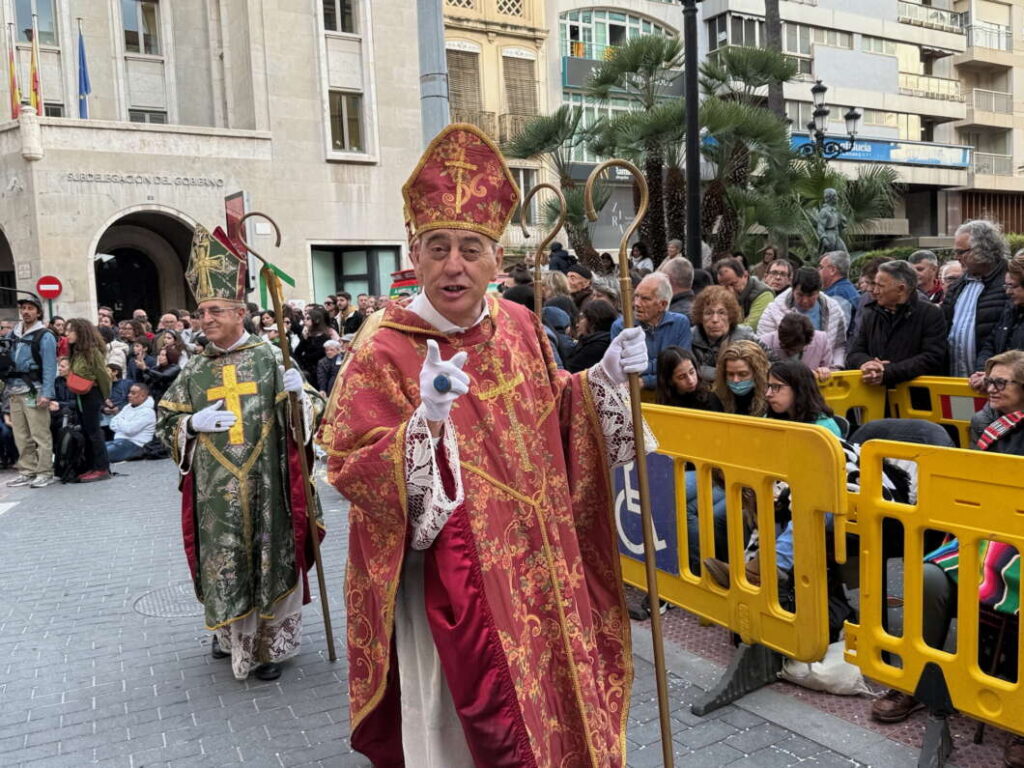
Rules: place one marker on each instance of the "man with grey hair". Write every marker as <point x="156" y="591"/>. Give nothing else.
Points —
<point x="834" y="268"/>
<point x="901" y="336"/>
<point x="662" y="327"/>
<point x="974" y="304"/>
<point x="680" y="275"/>
<point x="926" y="264"/>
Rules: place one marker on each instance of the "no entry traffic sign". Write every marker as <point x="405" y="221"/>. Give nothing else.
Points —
<point x="49" y="287"/>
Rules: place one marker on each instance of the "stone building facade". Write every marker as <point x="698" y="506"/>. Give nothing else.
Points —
<point x="309" y="107"/>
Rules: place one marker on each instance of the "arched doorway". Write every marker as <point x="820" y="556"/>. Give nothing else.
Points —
<point x="8" y="298"/>
<point x="140" y="263"/>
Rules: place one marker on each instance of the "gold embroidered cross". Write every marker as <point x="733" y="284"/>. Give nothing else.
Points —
<point x="459" y="167"/>
<point x="505" y="388"/>
<point x="231" y="391"/>
<point x="203" y="264"/>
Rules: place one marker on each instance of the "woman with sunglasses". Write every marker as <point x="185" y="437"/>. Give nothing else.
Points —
<point x="1009" y="331"/>
<point x="996" y="428"/>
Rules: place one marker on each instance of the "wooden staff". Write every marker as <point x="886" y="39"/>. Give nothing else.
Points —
<point x="538" y="294"/>
<point x="626" y="291"/>
<point x="295" y="413"/>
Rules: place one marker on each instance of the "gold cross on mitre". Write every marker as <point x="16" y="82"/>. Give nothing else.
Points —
<point x="231" y="392"/>
<point x="203" y="263"/>
<point x="460" y="166"/>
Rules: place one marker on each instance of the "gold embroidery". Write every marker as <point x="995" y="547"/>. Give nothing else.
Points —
<point x="176" y="407"/>
<point x="504" y="387"/>
<point x="500" y="485"/>
<point x="231" y="392"/>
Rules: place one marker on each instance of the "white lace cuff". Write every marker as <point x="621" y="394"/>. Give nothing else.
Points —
<point x="613" y="409"/>
<point x="429" y="507"/>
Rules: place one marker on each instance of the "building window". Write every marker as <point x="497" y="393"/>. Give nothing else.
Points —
<point x="878" y="45"/>
<point x="526" y="179"/>
<point x="45" y="20"/>
<point x="590" y="34"/>
<point x="347" y="122"/>
<point x="53" y="110"/>
<point x="746" y="31"/>
<point x="147" y="116"/>
<point x="510" y="7"/>
<point x="358" y="269"/>
<point x="593" y="110"/>
<point x="464" y="80"/>
<point x="718" y="32"/>
<point x="339" y="16"/>
<point x="141" y="20"/>
<point x="520" y="85"/>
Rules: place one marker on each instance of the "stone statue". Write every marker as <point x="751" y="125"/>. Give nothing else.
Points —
<point x="829" y="223"/>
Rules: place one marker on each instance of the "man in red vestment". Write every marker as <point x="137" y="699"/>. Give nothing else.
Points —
<point x="486" y="621"/>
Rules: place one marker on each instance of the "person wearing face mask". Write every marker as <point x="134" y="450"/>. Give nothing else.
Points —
<point x="741" y="378"/>
<point x="716" y="316"/>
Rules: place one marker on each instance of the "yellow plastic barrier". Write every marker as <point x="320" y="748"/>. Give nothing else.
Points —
<point x="748" y="453"/>
<point x="974" y="496"/>
<point x="846" y="390"/>
<point x="939" y="399"/>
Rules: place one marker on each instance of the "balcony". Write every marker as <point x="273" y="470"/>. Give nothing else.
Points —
<point x="992" y="36"/>
<point x="992" y="165"/>
<point x="510" y="126"/>
<point x="930" y="87"/>
<point x="578" y="49"/>
<point x="991" y="101"/>
<point x="926" y="16"/>
<point x="483" y="120"/>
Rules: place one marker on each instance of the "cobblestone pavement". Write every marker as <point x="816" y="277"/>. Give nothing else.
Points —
<point x="103" y="659"/>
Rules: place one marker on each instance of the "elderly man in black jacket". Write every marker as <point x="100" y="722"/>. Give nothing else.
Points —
<point x="901" y="335"/>
<point x="975" y="302"/>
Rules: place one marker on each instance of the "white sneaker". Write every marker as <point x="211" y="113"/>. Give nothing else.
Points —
<point x="42" y="481"/>
<point x="19" y="481"/>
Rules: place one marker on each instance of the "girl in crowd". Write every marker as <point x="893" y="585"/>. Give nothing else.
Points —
<point x="679" y="383"/>
<point x="89" y="381"/>
<point x="716" y="315"/>
<point x="594" y="331"/>
<point x="160" y="377"/>
<point x="741" y="378"/>
<point x="796" y="339"/>
<point x="310" y="350"/>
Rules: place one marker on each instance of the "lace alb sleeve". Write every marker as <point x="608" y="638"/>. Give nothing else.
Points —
<point x="612" y="401"/>
<point x="185" y="444"/>
<point x="429" y="507"/>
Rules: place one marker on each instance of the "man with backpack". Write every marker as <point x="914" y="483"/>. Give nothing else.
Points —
<point x="30" y="385"/>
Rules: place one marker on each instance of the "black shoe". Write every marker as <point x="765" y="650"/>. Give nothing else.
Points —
<point x="215" y="650"/>
<point x="268" y="671"/>
<point x="638" y="612"/>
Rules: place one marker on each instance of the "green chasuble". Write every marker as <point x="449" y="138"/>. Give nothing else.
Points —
<point x="243" y="509"/>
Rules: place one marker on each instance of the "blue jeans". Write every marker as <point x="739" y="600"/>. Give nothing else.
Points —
<point x="692" y="527"/>
<point x="122" y="450"/>
<point x="784" y="544"/>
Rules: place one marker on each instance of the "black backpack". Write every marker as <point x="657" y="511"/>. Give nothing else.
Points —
<point x="7" y="346"/>
<point x="69" y="450"/>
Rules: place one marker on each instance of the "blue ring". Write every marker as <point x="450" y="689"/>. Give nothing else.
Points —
<point x="442" y="383"/>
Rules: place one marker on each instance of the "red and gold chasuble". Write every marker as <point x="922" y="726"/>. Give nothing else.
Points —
<point x="523" y="589"/>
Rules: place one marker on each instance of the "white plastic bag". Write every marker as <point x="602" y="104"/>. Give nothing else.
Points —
<point x="832" y="674"/>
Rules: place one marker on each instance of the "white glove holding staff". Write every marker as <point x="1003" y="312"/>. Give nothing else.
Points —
<point x="212" y="419"/>
<point x="625" y="355"/>
<point x="442" y="382"/>
<point x="292" y="380"/>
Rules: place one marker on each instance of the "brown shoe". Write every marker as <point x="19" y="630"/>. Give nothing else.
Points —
<point x="718" y="570"/>
<point x="1013" y="756"/>
<point x="894" y="707"/>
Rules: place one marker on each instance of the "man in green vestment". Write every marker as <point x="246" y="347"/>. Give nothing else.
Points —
<point x="225" y="421"/>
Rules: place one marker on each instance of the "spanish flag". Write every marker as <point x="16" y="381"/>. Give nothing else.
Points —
<point x="12" y="73"/>
<point x="37" y="89"/>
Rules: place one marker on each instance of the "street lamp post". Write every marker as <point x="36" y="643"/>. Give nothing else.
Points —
<point x="821" y="145"/>
<point x="692" y="101"/>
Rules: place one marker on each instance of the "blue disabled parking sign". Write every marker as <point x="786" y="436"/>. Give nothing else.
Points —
<point x="663" y="511"/>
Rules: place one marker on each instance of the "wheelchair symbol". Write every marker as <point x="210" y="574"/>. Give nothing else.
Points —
<point x="628" y="501"/>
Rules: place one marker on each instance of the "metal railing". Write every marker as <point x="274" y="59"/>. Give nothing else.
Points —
<point x="991" y="101"/>
<point x="483" y="120"/>
<point x="578" y="49"/>
<point x="992" y="36"/>
<point x="993" y="165"/>
<point x="930" y="87"/>
<point x="510" y="126"/>
<point x="926" y="16"/>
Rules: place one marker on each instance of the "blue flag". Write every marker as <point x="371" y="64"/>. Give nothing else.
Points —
<point x="84" y="86"/>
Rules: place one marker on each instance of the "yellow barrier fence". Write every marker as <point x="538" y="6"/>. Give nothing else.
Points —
<point x="746" y="457"/>
<point x="939" y="399"/>
<point x="845" y="391"/>
<point x="974" y="496"/>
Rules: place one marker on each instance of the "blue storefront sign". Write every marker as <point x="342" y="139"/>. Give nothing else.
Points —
<point x="900" y="152"/>
<point x="663" y="510"/>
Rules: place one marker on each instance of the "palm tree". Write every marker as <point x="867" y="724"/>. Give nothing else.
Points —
<point x="554" y="138"/>
<point x="773" y="42"/>
<point x="643" y="68"/>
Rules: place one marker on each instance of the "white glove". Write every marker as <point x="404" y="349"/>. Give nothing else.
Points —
<point x="212" y="419"/>
<point x="436" y="405"/>
<point x="292" y="380"/>
<point x="625" y="355"/>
